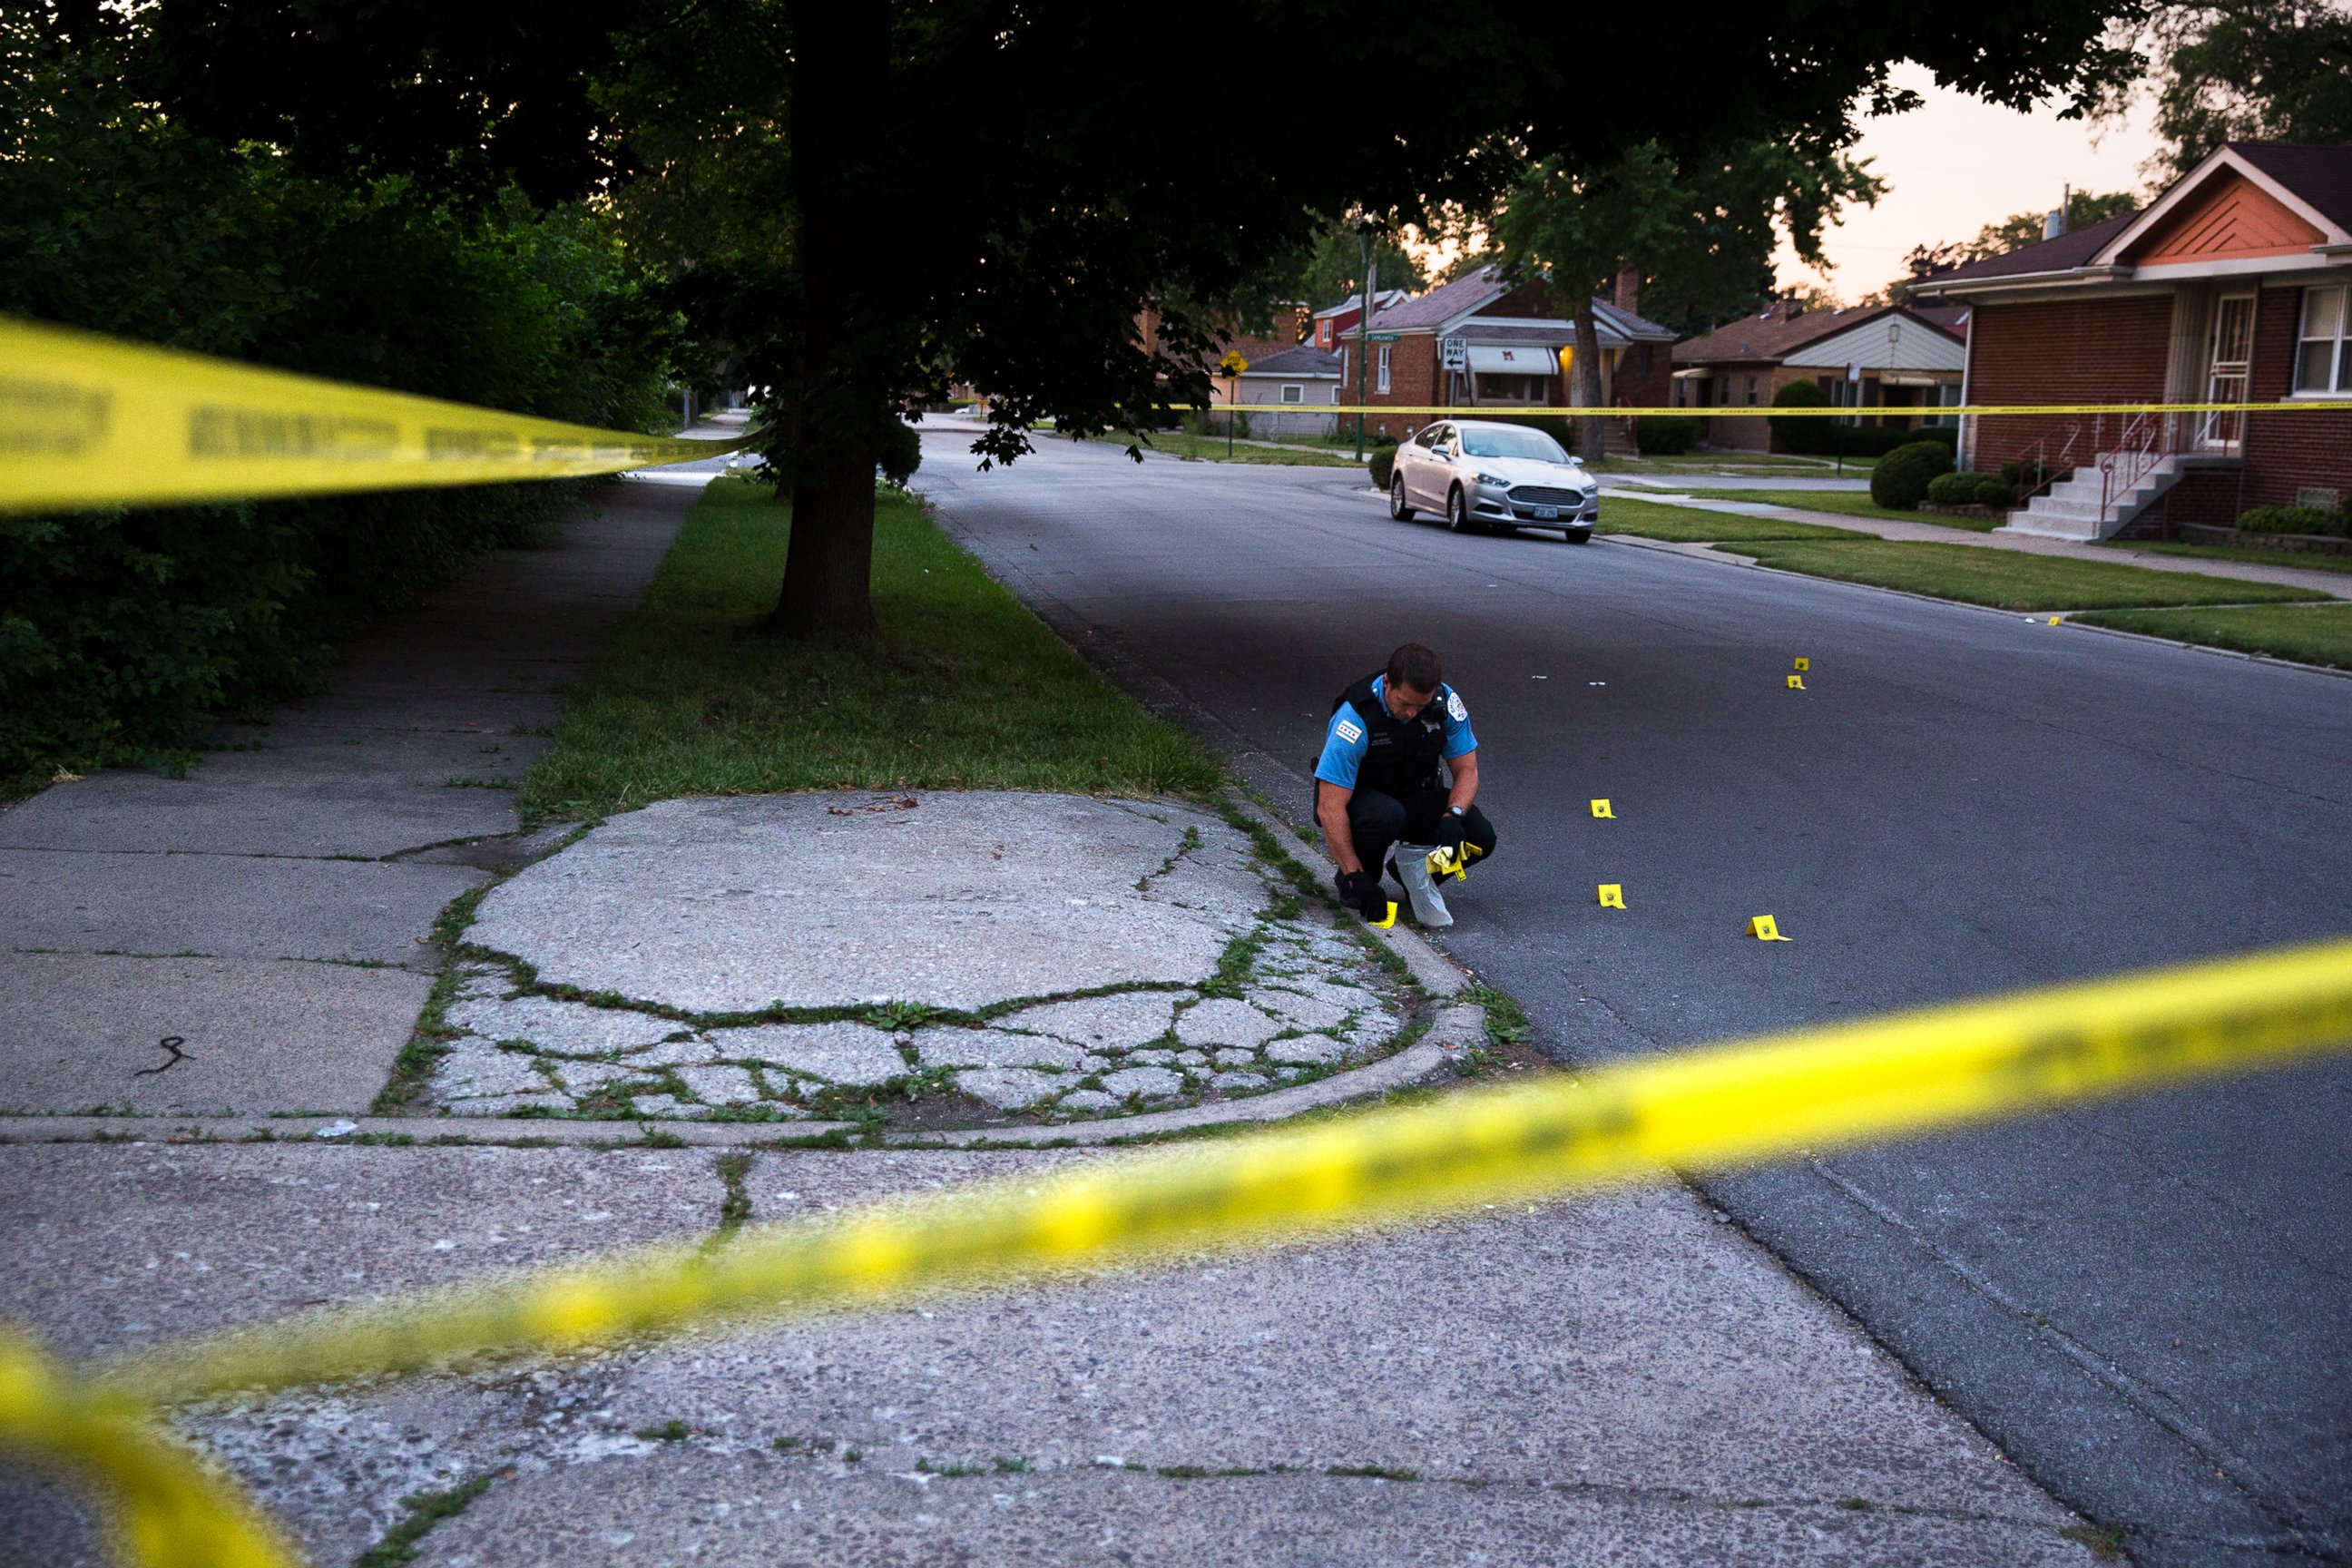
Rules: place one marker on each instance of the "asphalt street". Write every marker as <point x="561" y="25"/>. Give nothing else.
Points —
<point x="2144" y="1305"/>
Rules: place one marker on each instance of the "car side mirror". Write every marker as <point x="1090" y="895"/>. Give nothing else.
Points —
<point x="1576" y="462"/>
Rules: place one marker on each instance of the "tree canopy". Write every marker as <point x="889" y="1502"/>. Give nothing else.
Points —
<point x="2236" y="70"/>
<point x="868" y="199"/>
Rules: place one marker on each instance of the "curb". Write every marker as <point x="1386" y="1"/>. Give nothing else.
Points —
<point x="447" y="1131"/>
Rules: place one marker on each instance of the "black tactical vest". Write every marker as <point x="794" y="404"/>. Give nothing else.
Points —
<point x="1402" y="754"/>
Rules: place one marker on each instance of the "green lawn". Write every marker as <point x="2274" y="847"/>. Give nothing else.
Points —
<point x="1855" y="503"/>
<point x="1691" y="525"/>
<point x="2297" y="558"/>
<point x="1773" y="465"/>
<point x="2318" y="634"/>
<point x="963" y="687"/>
<point x="2006" y="579"/>
<point x="1211" y="449"/>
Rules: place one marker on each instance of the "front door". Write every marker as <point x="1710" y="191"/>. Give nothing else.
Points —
<point x="2232" y="350"/>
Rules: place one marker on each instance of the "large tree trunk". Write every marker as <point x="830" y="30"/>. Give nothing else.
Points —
<point x="1591" y="435"/>
<point x="841" y="74"/>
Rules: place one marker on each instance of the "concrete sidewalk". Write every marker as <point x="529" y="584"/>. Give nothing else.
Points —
<point x="271" y="912"/>
<point x="1625" y="1380"/>
<point x="2335" y="585"/>
<point x="1628" y="1379"/>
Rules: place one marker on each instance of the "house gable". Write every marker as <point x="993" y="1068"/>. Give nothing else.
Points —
<point x="1894" y="340"/>
<point x="2229" y="216"/>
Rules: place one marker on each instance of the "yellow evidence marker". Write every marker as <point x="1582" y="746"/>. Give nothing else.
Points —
<point x="1796" y="683"/>
<point x="1601" y="808"/>
<point x="1613" y="896"/>
<point x="2057" y="620"/>
<point x="1762" y="929"/>
<point x="1804" y="664"/>
<point x="1386" y="920"/>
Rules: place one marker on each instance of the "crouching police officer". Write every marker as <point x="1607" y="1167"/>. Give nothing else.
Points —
<point x="1378" y="787"/>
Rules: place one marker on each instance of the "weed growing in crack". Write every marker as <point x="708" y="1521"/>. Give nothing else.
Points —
<point x="1015" y="1467"/>
<point x="1372" y="1472"/>
<point x="667" y="1432"/>
<point x="2104" y="1541"/>
<point x="423" y="1511"/>
<point x="1506" y="1021"/>
<point x="925" y="1468"/>
<point x="735" y="1208"/>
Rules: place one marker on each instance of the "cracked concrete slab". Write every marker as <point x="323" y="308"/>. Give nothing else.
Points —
<point x="228" y="906"/>
<point x="837" y="899"/>
<point x="1619" y="1380"/>
<point x="83" y="1031"/>
<point x="271" y="849"/>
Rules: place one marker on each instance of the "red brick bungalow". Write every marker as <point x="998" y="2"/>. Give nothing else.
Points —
<point x="1518" y="350"/>
<point x="2235" y="285"/>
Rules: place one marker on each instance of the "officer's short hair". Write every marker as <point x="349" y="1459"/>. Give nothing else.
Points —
<point x="1415" y="665"/>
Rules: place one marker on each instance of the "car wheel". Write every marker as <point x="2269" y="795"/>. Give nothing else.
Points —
<point x="1458" y="511"/>
<point x="1397" y="508"/>
<point x="1576" y="536"/>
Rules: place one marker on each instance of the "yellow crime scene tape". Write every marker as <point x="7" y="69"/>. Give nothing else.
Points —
<point x="1709" y="1109"/>
<point x="88" y="421"/>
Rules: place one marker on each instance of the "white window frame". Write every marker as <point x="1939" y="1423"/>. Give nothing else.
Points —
<point x="1946" y="395"/>
<point x="2337" y="379"/>
<point x="1293" y="391"/>
<point x="1380" y="371"/>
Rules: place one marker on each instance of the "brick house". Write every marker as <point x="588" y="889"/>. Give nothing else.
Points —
<point x="1868" y="357"/>
<point x="2235" y="285"/>
<point x="1330" y="323"/>
<point x="1302" y="380"/>
<point x="1519" y="353"/>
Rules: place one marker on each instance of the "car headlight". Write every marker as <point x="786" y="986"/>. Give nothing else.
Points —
<point x="1490" y="480"/>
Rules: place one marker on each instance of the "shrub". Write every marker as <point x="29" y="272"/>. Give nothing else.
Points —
<point x="902" y="451"/>
<point x="1383" y="464"/>
<point x="1953" y="489"/>
<point x="1664" y="436"/>
<point x="1814" y="437"/>
<point x="2290" y="520"/>
<point x="1900" y="480"/>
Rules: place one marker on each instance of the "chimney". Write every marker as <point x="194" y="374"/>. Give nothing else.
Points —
<point x="1628" y="290"/>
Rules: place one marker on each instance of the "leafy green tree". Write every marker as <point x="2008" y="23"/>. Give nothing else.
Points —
<point x="2239" y="70"/>
<point x="870" y="199"/>
<point x="1699" y="229"/>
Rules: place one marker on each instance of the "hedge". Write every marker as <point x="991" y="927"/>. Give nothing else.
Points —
<point x="1664" y="436"/>
<point x="2291" y="519"/>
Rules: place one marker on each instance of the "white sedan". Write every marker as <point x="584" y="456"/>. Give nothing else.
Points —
<point x="1489" y="477"/>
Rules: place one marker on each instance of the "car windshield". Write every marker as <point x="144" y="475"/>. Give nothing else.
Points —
<point x="1508" y="441"/>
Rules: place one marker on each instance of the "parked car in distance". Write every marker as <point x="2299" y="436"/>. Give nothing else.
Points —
<point x="1484" y="477"/>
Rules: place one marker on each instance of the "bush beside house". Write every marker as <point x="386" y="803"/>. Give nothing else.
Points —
<point x="1900" y="480"/>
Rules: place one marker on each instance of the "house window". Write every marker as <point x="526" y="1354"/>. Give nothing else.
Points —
<point x="1844" y="394"/>
<point x="1384" y="367"/>
<point x="1751" y="392"/>
<point x="1291" y="394"/>
<point x="1944" y="396"/>
<point x="2322" y="360"/>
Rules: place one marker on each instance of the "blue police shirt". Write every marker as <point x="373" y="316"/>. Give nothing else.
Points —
<point x="1346" y="742"/>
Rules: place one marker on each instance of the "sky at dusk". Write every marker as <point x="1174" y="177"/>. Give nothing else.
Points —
<point x="1959" y="164"/>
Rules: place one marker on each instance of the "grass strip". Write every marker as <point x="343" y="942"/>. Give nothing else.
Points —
<point x="963" y="688"/>
<point x="1211" y="449"/>
<point x="2008" y="579"/>
<point x="2301" y="559"/>
<point x="1691" y="525"/>
<point x="1855" y="503"/>
<point x="2315" y="634"/>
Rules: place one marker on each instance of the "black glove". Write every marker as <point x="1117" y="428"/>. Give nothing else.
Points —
<point x="1361" y="891"/>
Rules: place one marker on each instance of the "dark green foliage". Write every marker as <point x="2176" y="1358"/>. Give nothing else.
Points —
<point x="1383" y="466"/>
<point x="902" y="451"/>
<point x="1664" y="436"/>
<point x="1900" y="480"/>
<point x="121" y="632"/>
<point x="2291" y="519"/>
<point x="1814" y="434"/>
<point x="1972" y="490"/>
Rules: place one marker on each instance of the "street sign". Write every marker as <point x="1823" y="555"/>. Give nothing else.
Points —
<point x="1381" y="337"/>
<point x="1455" y="354"/>
<point x="1233" y="364"/>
